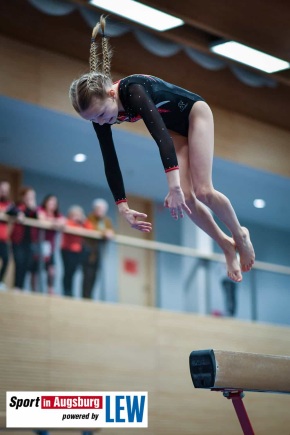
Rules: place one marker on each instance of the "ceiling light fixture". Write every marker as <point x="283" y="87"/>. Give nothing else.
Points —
<point x="250" y="56"/>
<point x="79" y="158"/>
<point x="259" y="203"/>
<point x="139" y="13"/>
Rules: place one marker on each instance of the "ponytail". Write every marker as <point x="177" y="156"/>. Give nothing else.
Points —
<point x="105" y="64"/>
<point x="98" y="80"/>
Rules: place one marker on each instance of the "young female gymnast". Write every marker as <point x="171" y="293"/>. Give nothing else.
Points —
<point x="181" y="123"/>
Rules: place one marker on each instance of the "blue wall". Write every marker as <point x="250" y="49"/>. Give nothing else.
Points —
<point x="176" y="279"/>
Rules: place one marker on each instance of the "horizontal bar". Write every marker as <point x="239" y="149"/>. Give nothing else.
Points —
<point x="218" y="369"/>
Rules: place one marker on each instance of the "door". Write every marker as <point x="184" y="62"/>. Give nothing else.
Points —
<point x="14" y="177"/>
<point x="136" y="265"/>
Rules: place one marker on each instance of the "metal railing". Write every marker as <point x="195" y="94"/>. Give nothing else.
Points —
<point x="203" y="262"/>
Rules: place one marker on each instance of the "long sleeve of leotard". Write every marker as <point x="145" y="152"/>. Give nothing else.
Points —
<point x="141" y="103"/>
<point x="137" y="102"/>
<point x="111" y="163"/>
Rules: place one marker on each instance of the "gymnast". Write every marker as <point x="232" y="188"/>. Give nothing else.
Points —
<point x="181" y="124"/>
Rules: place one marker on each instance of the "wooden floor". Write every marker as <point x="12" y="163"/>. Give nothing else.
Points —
<point x="58" y="344"/>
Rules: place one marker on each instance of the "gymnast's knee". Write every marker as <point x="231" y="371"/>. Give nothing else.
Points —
<point x="205" y="195"/>
<point x="190" y="198"/>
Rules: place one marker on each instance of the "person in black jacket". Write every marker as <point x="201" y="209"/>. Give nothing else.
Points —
<point x="23" y="236"/>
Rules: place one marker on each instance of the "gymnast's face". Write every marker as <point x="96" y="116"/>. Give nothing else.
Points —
<point x="102" y="111"/>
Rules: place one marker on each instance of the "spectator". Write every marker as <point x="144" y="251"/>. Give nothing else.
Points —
<point x="22" y="235"/>
<point x="4" y="232"/>
<point x="72" y="248"/>
<point x="94" y="248"/>
<point x="45" y="252"/>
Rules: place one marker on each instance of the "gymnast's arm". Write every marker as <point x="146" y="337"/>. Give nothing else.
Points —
<point x="115" y="178"/>
<point x="142" y="104"/>
<point x="111" y="163"/>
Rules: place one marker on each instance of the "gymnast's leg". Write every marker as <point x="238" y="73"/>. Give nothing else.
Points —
<point x="200" y="214"/>
<point x="201" y="147"/>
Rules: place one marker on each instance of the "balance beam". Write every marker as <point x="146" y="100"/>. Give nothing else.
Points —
<point x="224" y="370"/>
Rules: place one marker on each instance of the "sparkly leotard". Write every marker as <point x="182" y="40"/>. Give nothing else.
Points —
<point x="162" y="106"/>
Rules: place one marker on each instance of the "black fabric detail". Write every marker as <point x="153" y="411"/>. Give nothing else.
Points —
<point x="142" y="104"/>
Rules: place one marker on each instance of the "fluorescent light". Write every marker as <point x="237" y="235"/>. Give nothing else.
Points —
<point x="259" y="203"/>
<point x="250" y="56"/>
<point x="139" y="13"/>
<point x="79" y="158"/>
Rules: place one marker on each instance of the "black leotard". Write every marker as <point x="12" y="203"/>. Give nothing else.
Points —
<point x="162" y="106"/>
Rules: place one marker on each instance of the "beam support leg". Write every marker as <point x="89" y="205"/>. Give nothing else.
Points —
<point x="237" y="400"/>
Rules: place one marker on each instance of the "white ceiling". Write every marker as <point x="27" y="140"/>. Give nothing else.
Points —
<point x="38" y="139"/>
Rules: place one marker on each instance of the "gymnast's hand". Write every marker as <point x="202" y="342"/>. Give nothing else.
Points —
<point x="133" y="216"/>
<point x="175" y="201"/>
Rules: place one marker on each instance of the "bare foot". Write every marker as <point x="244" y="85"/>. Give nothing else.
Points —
<point x="234" y="270"/>
<point x="246" y="251"/>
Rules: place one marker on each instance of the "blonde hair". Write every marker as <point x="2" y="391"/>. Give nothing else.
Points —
<point x="98" y="80"/>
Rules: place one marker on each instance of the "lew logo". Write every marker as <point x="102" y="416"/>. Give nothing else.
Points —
<point x="125" y="409"/>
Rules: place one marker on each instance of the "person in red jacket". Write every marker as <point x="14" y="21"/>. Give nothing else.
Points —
<point x="5" y="203"/>
<point x="22" y="235"/>
<point x="72" y="248"/>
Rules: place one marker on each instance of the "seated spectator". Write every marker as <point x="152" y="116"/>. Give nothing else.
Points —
<point x="94" y="248"/>
<point x="4" y="231"/>
<point x="72" y="248"/>
<point x="45" y="246"/>
<point x="22" y="235"/>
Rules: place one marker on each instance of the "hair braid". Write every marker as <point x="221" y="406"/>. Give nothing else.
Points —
<point x="106" y="50"/>
<point x="107" y="55"/>
<point x="94" y="50"/>
<point x="98" y="80"/>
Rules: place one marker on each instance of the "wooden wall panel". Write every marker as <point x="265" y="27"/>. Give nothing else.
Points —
<point x="43" y="78"/>
<point x="52" y="343"/>
<point x="19" y="69"/>
<point x="251" y="142"/>
<point x="56" y="74"/>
